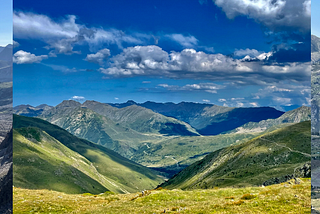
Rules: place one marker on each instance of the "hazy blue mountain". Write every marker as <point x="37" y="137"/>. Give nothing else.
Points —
<point x="298" y="115"/>
<point x="30" y="111"/>
<point x="209" y="119"/>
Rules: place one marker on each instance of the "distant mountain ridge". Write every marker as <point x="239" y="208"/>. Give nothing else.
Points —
<point x="30" y="111"/>
<point x="209" y="119"/>
<point x="122" y="130"/>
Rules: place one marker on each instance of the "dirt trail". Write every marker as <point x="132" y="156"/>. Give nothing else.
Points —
<point x="305" y="154"/>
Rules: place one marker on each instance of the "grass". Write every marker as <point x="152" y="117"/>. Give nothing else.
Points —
<point x="102" y="164"/>
<point x="280" y="198"/>
<point x="271" y="155"/>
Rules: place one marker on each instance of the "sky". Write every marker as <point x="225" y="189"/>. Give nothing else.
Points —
<point x="235" y="53"/>
<point x="315" y="20"/>
<point x="6" y="22"/>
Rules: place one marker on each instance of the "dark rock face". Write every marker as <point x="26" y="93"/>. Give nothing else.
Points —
<point x="303" y="172"/>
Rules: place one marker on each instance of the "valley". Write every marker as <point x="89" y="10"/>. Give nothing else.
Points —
<point x="98" y="150"/>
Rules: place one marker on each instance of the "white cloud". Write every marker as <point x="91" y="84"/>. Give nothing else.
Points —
<point x="30" y="25"/>
<point x="245" y="52"/>
<point x="63" y="68"/>
<point x="23" y="57"/>
<point x="146" y="82"/>
<point x="64" y="34"/>
<point x="206" y="87"/>
<point x="282" y="101"/>
<point x="283" y="94"/>
<point x="15" y="44"/>
<point x="239" y="104"/>
<point x="98" y="57"/>
<point x="184" y="41"/>
<point x="116" y="98"/>
<point x="275" y="14"/>
<point x="78" y="98"/>
<point x="206" y="101"/>
<point x="254" y="104"/>
<point x="238" y="98"/>
<point x="191" y="64"/>
<point x="222" y="100"/>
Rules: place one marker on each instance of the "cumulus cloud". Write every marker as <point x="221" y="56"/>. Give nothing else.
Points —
<point x="206" y="101"/>
<point x="98" y="57"/>
<point x="189" y="63"/>
<point x="23" y="57"/>
<point x="277" y="15"/>
<point x="222" y="100"/>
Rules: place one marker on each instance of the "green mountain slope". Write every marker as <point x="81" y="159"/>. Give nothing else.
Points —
<point x="117" y="173"/>
<point x="267" y="158"/>
<point x="85" y="123"/>
<point x="298" y="115"/>
<point x="173" y="155"/>
<point x="134" y="117"/>
<point x="42" y="162"/>
<point x="142" y="120"/>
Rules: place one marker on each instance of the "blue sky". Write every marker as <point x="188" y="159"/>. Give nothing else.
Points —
<point x="227" y="52"/>
<point x="6" y="22"/>
<point x="315" y="21"/>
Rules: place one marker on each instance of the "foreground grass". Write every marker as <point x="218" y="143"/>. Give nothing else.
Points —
<point x="280" y="198"/>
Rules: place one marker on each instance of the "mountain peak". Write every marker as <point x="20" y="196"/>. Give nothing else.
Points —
<point x="69" y="103"/>
<point x="131" y="102"/>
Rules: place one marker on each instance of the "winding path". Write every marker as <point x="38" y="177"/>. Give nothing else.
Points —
<point x="305" y="154"/>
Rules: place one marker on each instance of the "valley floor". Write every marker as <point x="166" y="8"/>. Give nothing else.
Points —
<point x="287" y="197"/>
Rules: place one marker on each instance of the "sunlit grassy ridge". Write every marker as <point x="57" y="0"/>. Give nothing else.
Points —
<point x="272" y="155"/>
<point x="281" y="198"/>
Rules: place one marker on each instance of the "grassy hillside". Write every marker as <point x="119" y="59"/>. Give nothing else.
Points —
<point x="281" y="198"/>
<point x="87" y="124"/>
<point x="124" y="175"/>
<point x="42" y="162"/>
<point x="267" y="158"/>
<point x="173" y="155"/>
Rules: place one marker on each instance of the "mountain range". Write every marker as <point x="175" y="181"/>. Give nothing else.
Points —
<point x="209" y="119"/>
<point x="163" y="143"/>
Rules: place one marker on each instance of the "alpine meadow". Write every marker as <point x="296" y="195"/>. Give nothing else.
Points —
<point x="197" y="106"/>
